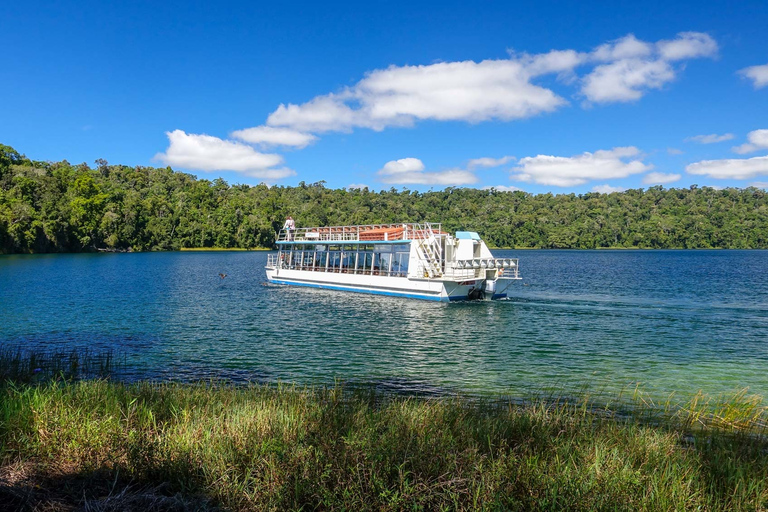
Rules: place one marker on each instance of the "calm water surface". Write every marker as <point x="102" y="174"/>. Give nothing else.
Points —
<point x="671" y="320"/>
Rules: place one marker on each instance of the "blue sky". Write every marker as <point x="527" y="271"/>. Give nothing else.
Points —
<point x="538" y="96"/>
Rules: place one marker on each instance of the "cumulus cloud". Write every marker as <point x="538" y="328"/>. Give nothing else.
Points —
<point x="635" y="66"/>
<point x="733" y="168"/>
<point x="710" y="139"/>
<point x="501" y="89"/>
<point x="759" y="184"/>
<point x="576" y="170"/>
<point x="660" y="178"/>
<point x="446" y="91"/>
<point x="469" y="91"/>
<point x="486" y="162"/>
<point x="758" y="75"/>
<point x="357" y="186"/>
<point x="402" y="166"/>
<point x="758" y="139"/>
<point x="555" y="61"/>
<point x="411" y="171"/>
<point x="627" y="47"/>
<point x="687" y="45"/>
<point x="207" y="153"/>
<point x="504" y="188"/>
<point x="271" y="136"/>
<point x="674" y="151"/>
<point x="626" y="80"/>
<point x="607" y="189"/>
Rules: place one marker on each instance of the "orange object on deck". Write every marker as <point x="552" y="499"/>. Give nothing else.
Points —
<point x="382" y="234"/>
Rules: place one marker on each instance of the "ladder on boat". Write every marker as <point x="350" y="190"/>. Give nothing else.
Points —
<point x="431" y="251"/>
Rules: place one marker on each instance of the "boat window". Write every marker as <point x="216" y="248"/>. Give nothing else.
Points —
<point x="400" y="262"/>
<point x="349" y="260"/>
<point x="384" y="263"/>
<point x="368" y="262"/>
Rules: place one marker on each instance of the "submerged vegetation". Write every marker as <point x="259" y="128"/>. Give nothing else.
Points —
<point x="60" y="207"/>
<point x="102" y="445"/>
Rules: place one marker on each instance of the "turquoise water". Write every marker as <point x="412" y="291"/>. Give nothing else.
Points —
<point x="671" y="320"/>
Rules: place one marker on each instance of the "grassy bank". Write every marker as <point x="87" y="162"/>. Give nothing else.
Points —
<point x="100" y="445"/>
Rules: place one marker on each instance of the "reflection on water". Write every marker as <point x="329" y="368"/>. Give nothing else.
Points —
<point x="672" y="320"/>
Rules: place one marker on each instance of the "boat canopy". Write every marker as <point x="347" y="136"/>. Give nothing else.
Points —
<point x="467" y="235"/>
<point x="379" y="233"/>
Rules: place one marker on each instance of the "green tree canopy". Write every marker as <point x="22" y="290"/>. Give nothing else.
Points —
<point x="60" y="207"/>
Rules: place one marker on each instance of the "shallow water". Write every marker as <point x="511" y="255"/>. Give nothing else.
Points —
<point x="678" y="321"/>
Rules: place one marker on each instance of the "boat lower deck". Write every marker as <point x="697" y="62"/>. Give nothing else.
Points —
<point x="427" y="289"/>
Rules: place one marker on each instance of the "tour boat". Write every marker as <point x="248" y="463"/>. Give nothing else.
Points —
<point x="405" y="260"/>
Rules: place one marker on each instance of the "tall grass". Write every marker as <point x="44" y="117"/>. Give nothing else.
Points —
<point x="176" y="446"/>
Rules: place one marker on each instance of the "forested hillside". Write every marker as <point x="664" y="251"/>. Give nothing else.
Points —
<point x="60" y="207"/>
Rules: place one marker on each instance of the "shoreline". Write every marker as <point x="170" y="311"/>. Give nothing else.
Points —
<point x="267" y="249"/>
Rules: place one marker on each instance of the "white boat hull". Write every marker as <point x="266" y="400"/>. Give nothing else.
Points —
<point x="427" y="289"/>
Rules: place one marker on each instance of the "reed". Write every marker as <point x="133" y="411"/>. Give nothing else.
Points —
<point x="101" y="445"/>
<point x="21" y="365"/>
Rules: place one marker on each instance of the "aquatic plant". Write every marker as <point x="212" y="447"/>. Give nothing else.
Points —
<point x="22" y="365"/>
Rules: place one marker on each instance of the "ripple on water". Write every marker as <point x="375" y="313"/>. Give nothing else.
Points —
<point x="672" y="320"/>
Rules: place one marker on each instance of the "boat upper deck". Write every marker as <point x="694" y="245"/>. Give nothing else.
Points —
<point x="379" y="233"/>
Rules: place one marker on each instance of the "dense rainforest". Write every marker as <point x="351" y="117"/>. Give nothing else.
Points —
<point x="60" y="207"/>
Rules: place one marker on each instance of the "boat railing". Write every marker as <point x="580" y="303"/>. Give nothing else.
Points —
<point x="272" y="260"/>
<point x="472" y="268"/>
<point x="362" y="233"/>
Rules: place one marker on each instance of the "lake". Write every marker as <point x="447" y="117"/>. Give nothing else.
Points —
<point x="677" y="321"/>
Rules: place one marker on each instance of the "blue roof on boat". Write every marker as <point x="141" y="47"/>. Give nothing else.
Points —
<point x="467" y="235"/>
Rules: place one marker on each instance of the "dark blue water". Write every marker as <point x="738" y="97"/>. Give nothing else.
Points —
<point x="678" y="321"/>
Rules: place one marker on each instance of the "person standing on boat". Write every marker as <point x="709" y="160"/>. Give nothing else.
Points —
<point x="289" y="226"/>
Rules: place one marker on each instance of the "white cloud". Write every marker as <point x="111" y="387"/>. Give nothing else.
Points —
<point x="411" y="171"/>
<point x="555" y="61"/>
<point x="733" y="168"/>
<point x="660" y="178"/>
<point x="710" y="139"/>
<point x="627" y="47"/>
<point x="446" y="91"/>
<point x="401" y="166"/>
<point x="607" y="189"/>
<point x="758" y="139"/>
<point x="469" y="91"/>
<point x="687" y="45"/>
<point x="450" y="177"/>
<point x="487" y="162"/>
<point x="357" y="186"/>
<point x="759" y="184"/>
<point x="207" y="153"/>
<point x="270" y="136"/>
<point x="636" y="66"/>
<point x="491" y="89"/>
<point x="626" y="80"/>
<point x="504" y="188"/>
<point x="674" y="151"/>
<point x="758" y="75"/>
<point x="577" y="170"/>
